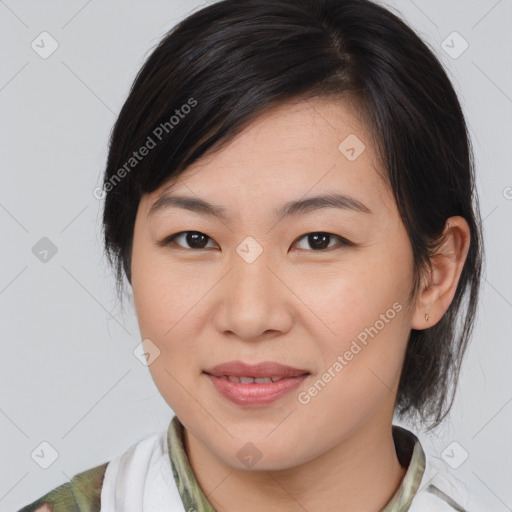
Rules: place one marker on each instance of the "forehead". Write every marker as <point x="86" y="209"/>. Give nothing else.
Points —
<point x="294" y="150"/>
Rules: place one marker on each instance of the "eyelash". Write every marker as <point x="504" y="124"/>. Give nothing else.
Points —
<point x="343" y="241"/>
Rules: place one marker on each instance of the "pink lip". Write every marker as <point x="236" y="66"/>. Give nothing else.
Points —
<point x="264" y="369"/>
<point x="253" y="394"/>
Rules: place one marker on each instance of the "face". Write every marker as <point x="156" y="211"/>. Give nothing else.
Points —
<point x="323" y="289"/>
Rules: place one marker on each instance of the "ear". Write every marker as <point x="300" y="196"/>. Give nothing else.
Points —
<point x="437" y="294"/>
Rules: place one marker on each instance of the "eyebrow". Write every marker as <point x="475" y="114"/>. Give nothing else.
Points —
<point x="292" y="208"/>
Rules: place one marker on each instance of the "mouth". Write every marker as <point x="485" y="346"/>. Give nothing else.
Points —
<point x="247" y="373"/>
<point x="255" y="385"/>
<point x="252" y="380"/>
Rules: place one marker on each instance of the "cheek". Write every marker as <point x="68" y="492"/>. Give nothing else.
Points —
<point x="362" y="351"/>
<point x="169" y="301"/>
<point x="346" y="301"/>
<point x="163" y="298"/>
<point x="155" y="286"/>
<point x="361" y="315"/>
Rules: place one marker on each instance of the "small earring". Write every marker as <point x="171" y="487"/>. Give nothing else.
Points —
<point x="426" y="317"/>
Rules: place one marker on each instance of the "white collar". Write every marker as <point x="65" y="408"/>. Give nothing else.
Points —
<point x="141" y="479"/>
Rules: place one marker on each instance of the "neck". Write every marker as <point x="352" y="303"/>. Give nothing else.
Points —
<point x="361" y="473"/>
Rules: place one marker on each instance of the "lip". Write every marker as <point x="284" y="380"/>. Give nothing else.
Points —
<point x="264" y="369"/>
<point x="255" y="394"/>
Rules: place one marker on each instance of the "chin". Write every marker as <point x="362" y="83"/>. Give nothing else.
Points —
<point x="262" y="456"/>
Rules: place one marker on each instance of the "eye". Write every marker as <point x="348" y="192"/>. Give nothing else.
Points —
<point x="197" y="240"/>
<point x="320" y="240"/>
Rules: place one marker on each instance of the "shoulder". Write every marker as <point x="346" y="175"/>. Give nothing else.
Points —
<point x="441" y="491"/>
<point x="81" y="494"/>
<point x="144" y="459"/>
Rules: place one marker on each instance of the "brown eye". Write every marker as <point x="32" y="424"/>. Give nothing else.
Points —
<point x="319" y="241"/>
<point x="194" y="239"/>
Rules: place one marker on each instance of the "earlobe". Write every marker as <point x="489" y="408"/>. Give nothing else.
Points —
<point x="437" y="294"/>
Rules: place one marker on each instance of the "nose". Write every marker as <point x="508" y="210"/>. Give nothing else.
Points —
<point x="253" y="301"/>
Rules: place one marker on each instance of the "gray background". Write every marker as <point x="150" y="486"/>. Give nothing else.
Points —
<point x="68" y="373"/>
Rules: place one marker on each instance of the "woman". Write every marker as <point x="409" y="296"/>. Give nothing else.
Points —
<point x="290" y="194"/>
